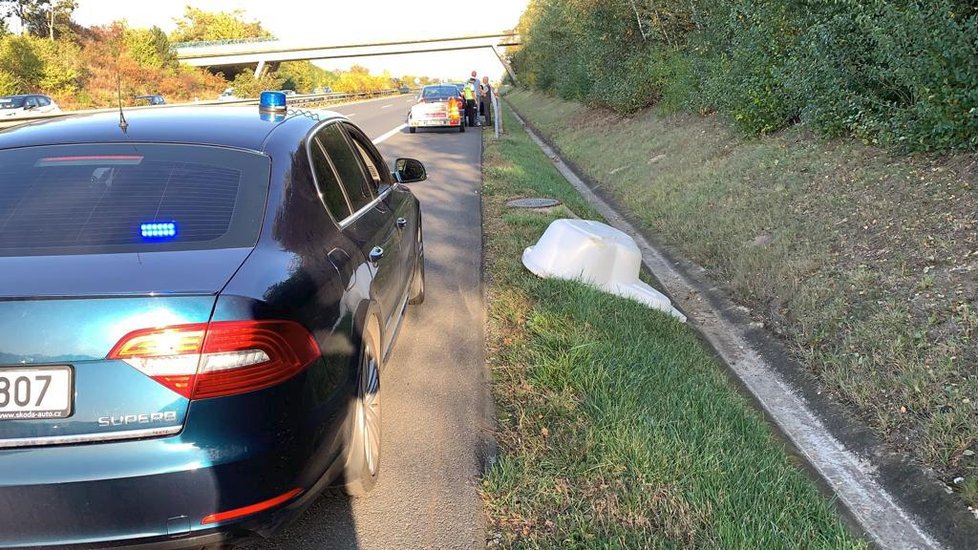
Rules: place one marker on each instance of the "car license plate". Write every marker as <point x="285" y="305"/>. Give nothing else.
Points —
<point x="35" y="392"/>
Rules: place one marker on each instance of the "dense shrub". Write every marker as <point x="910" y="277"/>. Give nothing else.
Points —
<point x="895" y="73"/>
<point x="901" y="73"/>
<point x="743" y="52"/>
<point x="588" y="50"/>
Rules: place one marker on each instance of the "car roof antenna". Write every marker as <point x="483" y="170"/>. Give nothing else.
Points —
<point x="122" y="116"/>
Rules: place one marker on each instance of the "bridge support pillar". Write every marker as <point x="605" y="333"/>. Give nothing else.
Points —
<point x="259" y="69"/>
<point x="505" y="62"/>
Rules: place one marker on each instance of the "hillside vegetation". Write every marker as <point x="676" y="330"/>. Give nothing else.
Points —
<point x="87" y="71"/>
<point x="899" y="73"/>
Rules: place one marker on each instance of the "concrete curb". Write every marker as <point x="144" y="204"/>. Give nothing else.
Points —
<point x="851" y="478"/>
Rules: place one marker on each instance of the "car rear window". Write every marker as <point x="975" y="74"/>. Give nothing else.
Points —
<point x="439" y="91"/>
<point x="11" y="102"/>
<point x="96" y="199"/>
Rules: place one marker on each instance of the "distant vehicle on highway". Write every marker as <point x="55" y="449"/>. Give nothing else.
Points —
<point x="288" y="92"/>
<point x="26" y="105"/>
<point x="439" y="105"/>
<point x="152" y="99"/>
<point x="227" y="95"/>
<point x="404" y="90"/>
<point x="197" y="310"/>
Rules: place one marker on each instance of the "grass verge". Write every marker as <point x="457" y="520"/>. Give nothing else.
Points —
<point x="863" y="263"/>
<point x="617" y="428"/>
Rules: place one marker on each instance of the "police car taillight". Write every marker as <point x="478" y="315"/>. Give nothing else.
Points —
<point x="221" y="358"/>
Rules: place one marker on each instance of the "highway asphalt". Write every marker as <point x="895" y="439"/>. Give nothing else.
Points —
<point x="436" y="403"/>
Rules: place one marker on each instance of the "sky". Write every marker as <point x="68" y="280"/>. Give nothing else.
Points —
<point x="332" y="22"/>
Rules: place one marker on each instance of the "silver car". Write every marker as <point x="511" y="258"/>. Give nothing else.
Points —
<point x="28" y="104"/>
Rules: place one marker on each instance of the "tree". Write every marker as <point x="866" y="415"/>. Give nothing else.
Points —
<point x="304" y="77"/>
<point x="108" y="61"/>
<point x="62" y="68"/>
<point x="149" y="47"/>
<point x="198" y="25"/>
<point x="20" y="61"/>
<point x="358" y="79"/>
<point x="246" y="85"/>
<point x="42" y="18"/>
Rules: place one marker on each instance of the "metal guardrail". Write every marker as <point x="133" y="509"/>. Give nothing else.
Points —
<point x="205" y="43"/>
<point x="305" y="100"/>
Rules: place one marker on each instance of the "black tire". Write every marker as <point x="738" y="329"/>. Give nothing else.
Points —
<point x="363" y="462"/>
<point x="411" y="129"/>
<point x="461" y="128"/>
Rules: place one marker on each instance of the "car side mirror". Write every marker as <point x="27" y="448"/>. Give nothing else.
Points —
<point x="409" y="171"/>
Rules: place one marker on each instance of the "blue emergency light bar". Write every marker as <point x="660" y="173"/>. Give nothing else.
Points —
<point x="272" y="101"/>
<point x="158" y="230"/>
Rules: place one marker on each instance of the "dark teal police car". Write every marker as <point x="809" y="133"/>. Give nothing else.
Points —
<point x="196" y="306"/>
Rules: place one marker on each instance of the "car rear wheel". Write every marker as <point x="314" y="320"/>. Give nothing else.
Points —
<point x="412" y="129"/>
<point x="461" y="127"/>
<point x="363" y="464"/>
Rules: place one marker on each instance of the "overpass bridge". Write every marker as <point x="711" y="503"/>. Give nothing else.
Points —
<point x="264" y="53"/>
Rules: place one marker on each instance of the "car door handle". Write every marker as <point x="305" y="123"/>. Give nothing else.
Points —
<point x="376" y="253"/>
<point x="401" y="223"/>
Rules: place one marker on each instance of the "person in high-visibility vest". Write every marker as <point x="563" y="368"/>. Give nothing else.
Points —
<point x="471" y="110"/>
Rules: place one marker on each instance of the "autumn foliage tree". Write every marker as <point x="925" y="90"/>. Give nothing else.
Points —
<point x="94" y="67"/>
<point x="198" y="25"/>
<point x="358" y="80"/>
<point x="304" y="77"/>
<point x="138" y="60"/>
<point x="31" y="64"/>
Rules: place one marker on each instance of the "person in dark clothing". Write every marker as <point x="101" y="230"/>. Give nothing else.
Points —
<point x="486" y="97"/>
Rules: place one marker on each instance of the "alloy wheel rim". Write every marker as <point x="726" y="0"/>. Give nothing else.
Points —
<point x="369" y="405"/>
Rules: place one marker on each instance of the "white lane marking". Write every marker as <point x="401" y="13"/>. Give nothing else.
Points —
<point x="351" y="115"/>
<point x="389" y="134"/>
<point x="386" y="106"/>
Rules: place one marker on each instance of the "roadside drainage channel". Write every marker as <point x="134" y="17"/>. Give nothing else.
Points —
<point x="849" y="477"/>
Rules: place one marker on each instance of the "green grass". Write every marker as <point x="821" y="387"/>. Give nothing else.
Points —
<point x="863" y="263"/>
<point x="617" y="429"/>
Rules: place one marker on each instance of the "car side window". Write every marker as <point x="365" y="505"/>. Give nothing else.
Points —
<point x="43" y="101"/>
<point x="328" y="184"/>
<point x="347" y="164"/>
<point x="30" y="102"/>
<point x="379" y="178"/>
